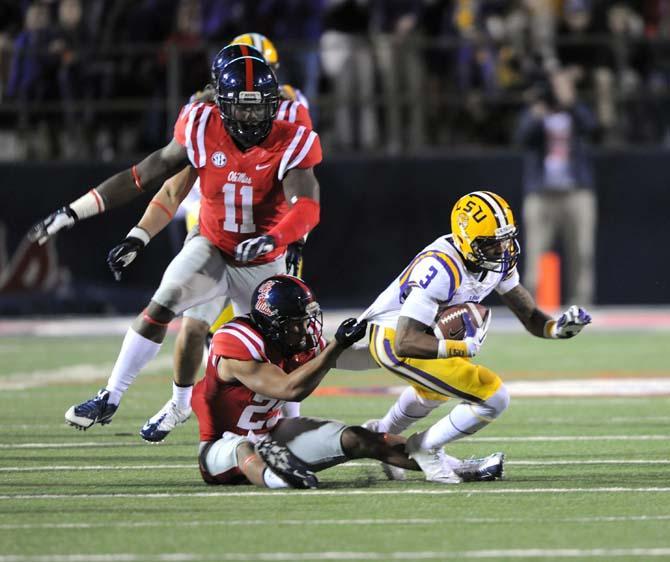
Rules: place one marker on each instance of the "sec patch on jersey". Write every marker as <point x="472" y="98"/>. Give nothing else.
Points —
<point x="449" y="322"/>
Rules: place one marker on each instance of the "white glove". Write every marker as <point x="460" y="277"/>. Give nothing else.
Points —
<point x="474" y="337"/>
<point x="40" y="232"/>
<point x="254" y="247"/>
<point x="571" y="322"/>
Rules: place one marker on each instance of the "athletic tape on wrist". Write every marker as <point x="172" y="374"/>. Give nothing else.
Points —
<point x="138" y="232"/>
<point x="88" y="205"/>
<point x="550" y="330"/>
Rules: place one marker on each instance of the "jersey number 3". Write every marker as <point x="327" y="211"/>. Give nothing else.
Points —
<point x="229" y="197"/>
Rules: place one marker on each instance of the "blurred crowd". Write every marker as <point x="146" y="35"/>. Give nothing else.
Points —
<point x="105" y="78"/>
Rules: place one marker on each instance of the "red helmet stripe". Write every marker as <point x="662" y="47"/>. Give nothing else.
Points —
<point x="244" y="50"/>
<point x="249" y="72"/>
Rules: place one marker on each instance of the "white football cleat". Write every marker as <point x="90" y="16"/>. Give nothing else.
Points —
<point x="391" y="472"/>
<point x="161" y="424"/>
<point x="484" y="469"/>
<point x="432" y="462"/>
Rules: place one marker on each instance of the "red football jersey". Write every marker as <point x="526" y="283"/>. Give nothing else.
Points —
<point x="294" y="112"/>
<point x="242" y="195"/>
<point x="230" y="406"/>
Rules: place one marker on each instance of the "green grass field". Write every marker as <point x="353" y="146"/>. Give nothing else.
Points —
<point x="586" y="478"/>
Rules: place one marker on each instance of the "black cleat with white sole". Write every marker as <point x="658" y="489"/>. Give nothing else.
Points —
<point x="286" y="465"/>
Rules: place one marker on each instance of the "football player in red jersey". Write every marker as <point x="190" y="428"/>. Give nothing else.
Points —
<point x="256" y="362"/>
<point x="203" y="320"/>
<point x="259" y="194"/>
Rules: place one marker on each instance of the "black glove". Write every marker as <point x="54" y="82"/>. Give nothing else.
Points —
<point x="40" y="232"/>
<point x="121" y="256"/>
<point x="294" y="258"/>
<point x="250" y="249"/>
<point x="350" y="331"/>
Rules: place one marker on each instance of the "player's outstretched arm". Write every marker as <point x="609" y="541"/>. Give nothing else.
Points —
<point x="540" y="324"/>
<point x="158" y="214"/>
<point x="301" y="190"/>
<point x="147" y="176"/>
<point x="271" y="381"/>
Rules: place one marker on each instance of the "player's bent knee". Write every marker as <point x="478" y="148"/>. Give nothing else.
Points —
<point x="169" y="295"/>
<point x="159" y="313"/>
<point x="496" y="404"/>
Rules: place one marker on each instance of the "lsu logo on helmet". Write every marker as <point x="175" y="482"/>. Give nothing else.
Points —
<point x="485" y="231"/>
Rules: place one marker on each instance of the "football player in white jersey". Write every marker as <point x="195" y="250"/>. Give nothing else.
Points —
<point x="478" y="257"/>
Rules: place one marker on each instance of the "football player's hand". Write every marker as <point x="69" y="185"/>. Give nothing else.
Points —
<point x="40" y="232"/>
<point x="122" y="256"/>
<point x="350" y="331"/>
<point x="475" y="336"/>
<point x="571" y="322"/>
<point x="294" y="257"/>
<point x="254" y="247"/>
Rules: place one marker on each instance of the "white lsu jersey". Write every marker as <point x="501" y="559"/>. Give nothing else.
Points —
<point x="436" y="277"/>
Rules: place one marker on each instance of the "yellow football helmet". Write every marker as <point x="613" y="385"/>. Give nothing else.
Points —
<point x="262" y="44"/>
<point x="485" y="232"/>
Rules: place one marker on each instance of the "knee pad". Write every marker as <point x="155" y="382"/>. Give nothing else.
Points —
<point x="495" y="405"/>
<point x="169" y="296"/>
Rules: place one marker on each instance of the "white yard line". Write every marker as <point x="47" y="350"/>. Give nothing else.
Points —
<point x="76" y="468"/>
<point x="335" y="522"/>
<point x="347" y="555"/>
<point x="463" y="490"/>
<point x="502" y="439"/>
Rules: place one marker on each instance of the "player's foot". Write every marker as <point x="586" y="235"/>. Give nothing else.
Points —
<point x="487" y="468"/>
<point x="391" y="472"/>
<point x="168" y="417"/>
<point x="432" y="462"/>
<point x="286" y="465"/>
<point x="94" y="410"/>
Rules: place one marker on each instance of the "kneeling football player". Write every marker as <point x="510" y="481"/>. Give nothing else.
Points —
<point x="257" y="362"/>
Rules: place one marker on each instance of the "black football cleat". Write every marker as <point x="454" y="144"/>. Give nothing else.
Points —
<point x="286" y="465"/>
<point x="92" y="411"/>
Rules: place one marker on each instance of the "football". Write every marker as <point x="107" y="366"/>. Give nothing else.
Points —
<point x="449" y="322"/>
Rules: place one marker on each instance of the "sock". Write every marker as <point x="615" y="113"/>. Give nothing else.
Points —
<point x="409" y="408"/>
<point x="465" y="419"/>
<point x="181" y="395"/>
<point x="291" y="409"/>
<point x="272" y="480"/>
<point x="136" y="352"/>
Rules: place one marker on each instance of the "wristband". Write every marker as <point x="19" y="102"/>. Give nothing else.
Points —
<point x="88" y="205"/>
<point x="139" y="233"/>
<point x="451" y="348"/>
<point x="549" y="331"/>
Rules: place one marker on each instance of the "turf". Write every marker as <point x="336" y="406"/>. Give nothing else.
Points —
<point x="587" y="478"/>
